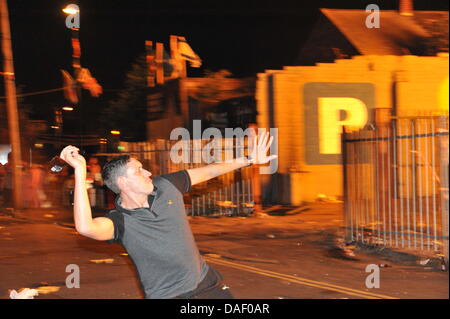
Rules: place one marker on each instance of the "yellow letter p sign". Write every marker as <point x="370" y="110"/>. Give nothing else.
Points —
<point x="330" y="122"/>
<point x="329" y="106"/>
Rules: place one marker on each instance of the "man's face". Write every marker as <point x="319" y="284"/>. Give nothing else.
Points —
<point x="137" y="178"/>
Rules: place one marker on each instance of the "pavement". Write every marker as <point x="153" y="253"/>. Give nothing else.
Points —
<point x="299" y="255"/>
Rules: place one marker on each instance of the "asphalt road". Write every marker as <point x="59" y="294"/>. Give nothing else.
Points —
<point x="266" y="257"/>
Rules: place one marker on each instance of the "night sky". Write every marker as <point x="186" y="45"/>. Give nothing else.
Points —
<point x="245" y="37"/>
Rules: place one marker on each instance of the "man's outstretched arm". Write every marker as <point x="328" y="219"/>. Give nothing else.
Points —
<point x="258" y="155"/>
<point x="100" y="228"/>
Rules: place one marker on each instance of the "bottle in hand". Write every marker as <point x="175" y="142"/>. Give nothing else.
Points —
<point x="57" y="164"/>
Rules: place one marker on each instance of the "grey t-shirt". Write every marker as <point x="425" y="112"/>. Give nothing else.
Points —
<point x="159" y="239"/>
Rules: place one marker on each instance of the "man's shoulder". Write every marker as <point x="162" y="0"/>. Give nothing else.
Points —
<point x="180" y="180"/>
<point x="114" y="213"/>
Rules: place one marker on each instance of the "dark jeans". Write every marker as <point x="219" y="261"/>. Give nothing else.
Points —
<point x="210" y="287"/>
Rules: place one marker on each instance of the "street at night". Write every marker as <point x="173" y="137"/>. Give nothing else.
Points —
<point x="267" y="257"/>
<point x="222" y="159"/>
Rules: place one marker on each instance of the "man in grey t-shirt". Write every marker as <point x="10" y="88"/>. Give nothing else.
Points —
<point x="150" y="221"/>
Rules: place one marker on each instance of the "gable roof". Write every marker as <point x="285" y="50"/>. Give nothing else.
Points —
<point x="398" y="35"/>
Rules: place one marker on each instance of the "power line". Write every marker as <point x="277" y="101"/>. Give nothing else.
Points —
<point x="35" y="93"/>
<point x="50" y="91"/>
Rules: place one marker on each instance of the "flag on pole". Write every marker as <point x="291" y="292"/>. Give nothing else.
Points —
<point x="89" y="83"/>
<point x="186" y="53"/>
<point x="69" y="85"/>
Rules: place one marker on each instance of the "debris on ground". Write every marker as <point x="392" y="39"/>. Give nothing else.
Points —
<point x="225" y="203"/>
<point x="424" y="262"/>
<point x="348" y="252"/>
<point x="265" y="213"/>
<point x="327" y="199"/>
<point x="346" y="248"/>
<point x="333" y="199"/>
<point x="435" y="263"/>
<point x="47" y="289"/>
<point x="24" y="293"/>
<point x="297" y="210"/>
<point x="443" y="264"/>
<point x="102" y="261"/>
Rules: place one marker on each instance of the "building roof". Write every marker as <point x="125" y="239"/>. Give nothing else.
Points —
<point x="424" y="33"/>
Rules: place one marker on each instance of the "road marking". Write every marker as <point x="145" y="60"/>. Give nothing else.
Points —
<point x="299" y="280"/>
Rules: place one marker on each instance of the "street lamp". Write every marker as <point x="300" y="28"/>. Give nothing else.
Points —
<point x="70" y="9"/>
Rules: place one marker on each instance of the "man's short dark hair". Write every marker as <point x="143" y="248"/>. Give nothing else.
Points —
<point x="113" y="169"/>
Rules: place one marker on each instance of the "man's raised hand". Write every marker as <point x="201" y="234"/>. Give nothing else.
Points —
<point x="71" y="155"/>
<point x="259" y="148"/>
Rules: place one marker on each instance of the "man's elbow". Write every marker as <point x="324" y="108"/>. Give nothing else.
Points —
<point x="82" y="230"/>
<point x="94" y="233"/>
<point x="85" y="231"/>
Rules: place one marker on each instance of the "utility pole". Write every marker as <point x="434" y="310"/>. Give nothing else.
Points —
<point x="11" y="104"/>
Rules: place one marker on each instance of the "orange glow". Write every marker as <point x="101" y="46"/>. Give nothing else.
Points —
<point x="115" y="132"/>
<point x="68" y="10"/>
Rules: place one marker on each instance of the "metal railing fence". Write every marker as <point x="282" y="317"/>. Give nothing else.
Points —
<point x="396" y="184"/>
<point x="227" y="195"/>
